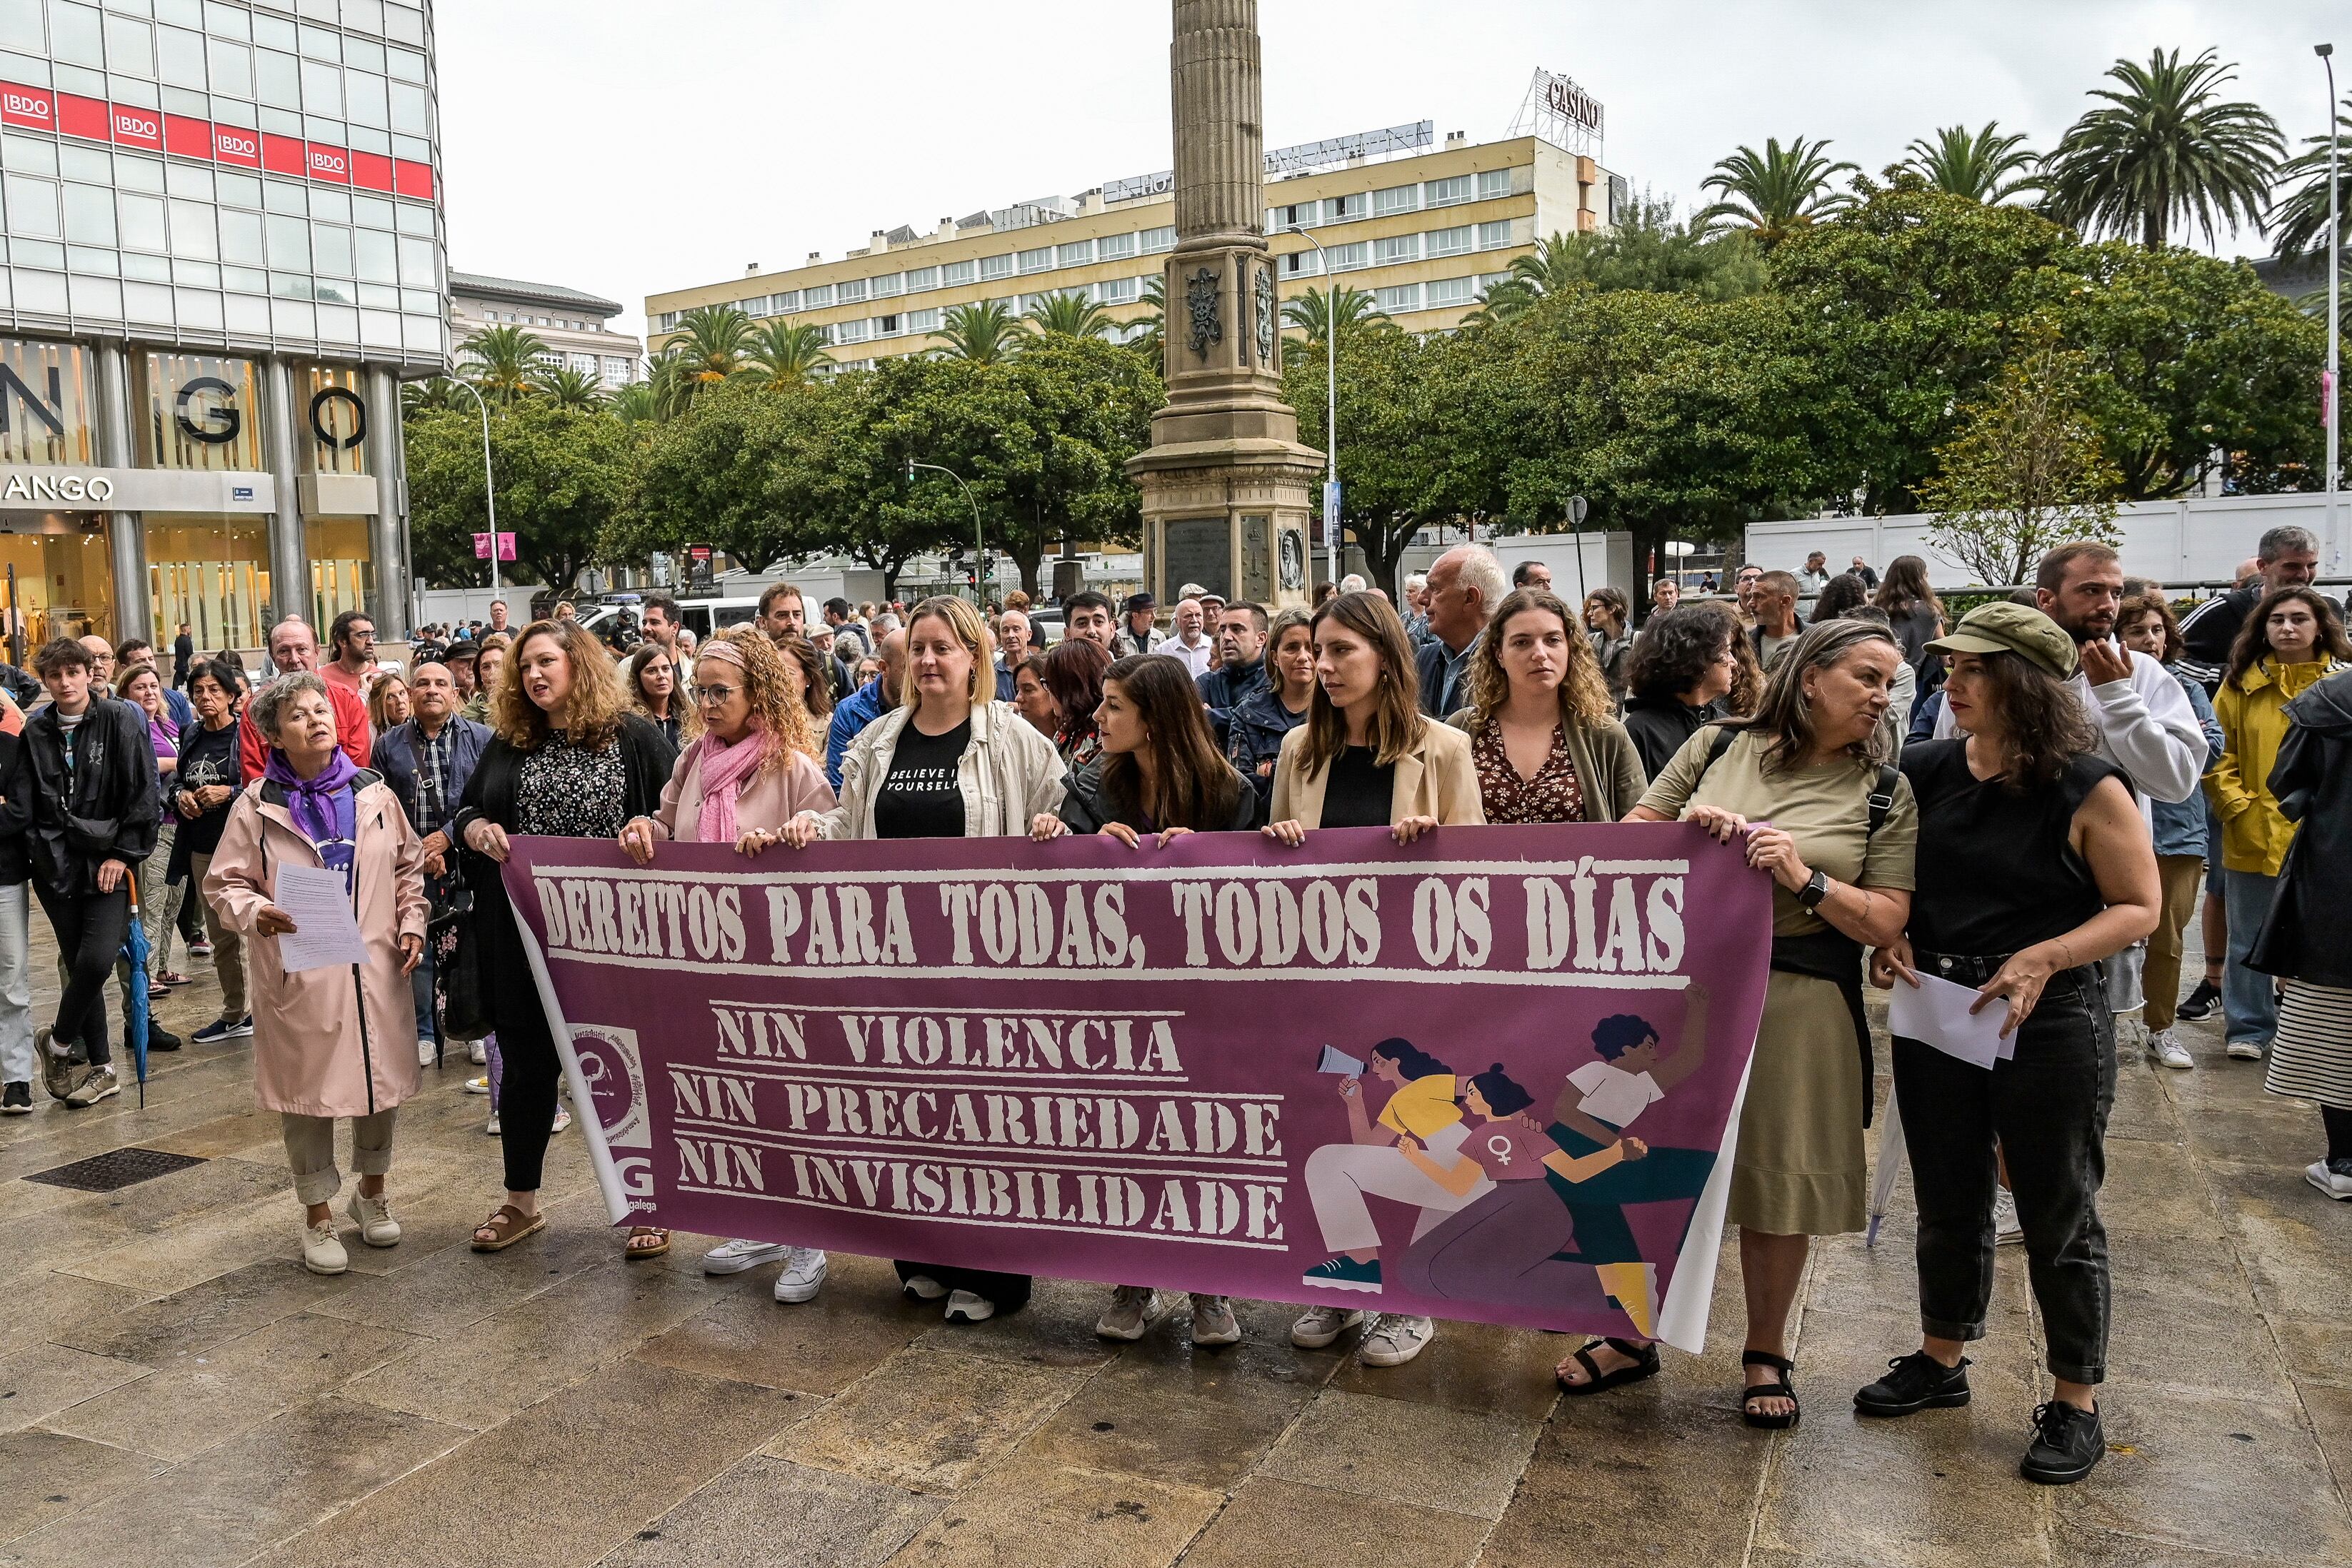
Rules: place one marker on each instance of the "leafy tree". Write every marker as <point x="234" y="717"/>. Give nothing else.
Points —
<point x="783" y="354"/>
<point x="710" y="349"/>
<point x="639" y="402"/>
<point x="562" y="475"/>
<point x="1774" y="193"/>
<point x="983" y="333"/>
<point x="2300" y="219"/>
<point x="2027" y="470"/>
<point x="1358" y="312"/>
<point x="1071" y="314"/>
<point x="569" y="388"/>
<point x="437" y="392"/>
<point x="1647" y="249"/>
<point x="2165" y="151"/>
<point x="1983" y="165"/>
<point x="503" y="361"/>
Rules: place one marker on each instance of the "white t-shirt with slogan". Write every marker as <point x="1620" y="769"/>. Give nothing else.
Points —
<point x="1613" y="1095"/>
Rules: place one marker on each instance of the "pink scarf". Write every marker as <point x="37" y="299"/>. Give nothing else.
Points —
<point x="725" y="773"/>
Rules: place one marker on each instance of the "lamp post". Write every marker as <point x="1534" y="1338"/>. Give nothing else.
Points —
<point x="2335" y="308"/>
<point x="1330" y="405"/>
<point x="978" y="550"/>
<point x="489" y="485"/>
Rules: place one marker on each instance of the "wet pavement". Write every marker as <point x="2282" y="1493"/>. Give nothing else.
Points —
<point x="174" y="1389"/>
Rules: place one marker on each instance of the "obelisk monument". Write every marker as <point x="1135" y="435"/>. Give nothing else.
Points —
<point x="1227" y="488"/>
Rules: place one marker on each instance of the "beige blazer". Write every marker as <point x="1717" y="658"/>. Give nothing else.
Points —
<point x="1434" y="777"/>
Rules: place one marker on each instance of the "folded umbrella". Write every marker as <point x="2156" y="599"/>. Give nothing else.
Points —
<point x="134" y="1007"/>
<point x="1891" y="1150"/>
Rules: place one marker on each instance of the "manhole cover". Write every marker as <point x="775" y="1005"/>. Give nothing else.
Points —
<point x="115" y="1169"/>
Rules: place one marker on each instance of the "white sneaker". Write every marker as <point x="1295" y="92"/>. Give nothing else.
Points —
<point x="373" y="1216"/>
<point x="963" y="1307"/>
<point x="2006" y="1231"/>
<point x="2165" y="1047"/>
<point x="424" y="1053"/>
<point x="803" y="1276"/>
<point x="562" y="1119"/>
<point x="491" y="1126"/>
<point x="1132" y="1310"/>
<point x="734" y="1257"/>
<point x="921" y="1288"/>
<point x="2329" y="1180"/>
<point x="1319" y="1326"/>
<point x="1213" y="1321"/>
<point x="479" y="1086"/>
<point x="323" y="1249"/>
<point x="1395" y="1339"/>
<point x="479" y="1055"/>
<point x="2245" y="1051"/>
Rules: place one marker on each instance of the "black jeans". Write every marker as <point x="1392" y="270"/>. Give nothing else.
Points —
<point x="90" y="927"/>
<point x="527" y="1084"/>
<point x="2048" y="1109"/>
<point x="1005" y="1292"/>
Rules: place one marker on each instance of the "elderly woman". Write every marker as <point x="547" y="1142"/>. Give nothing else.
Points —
<point x="336" y="1039"/>
<point x="752" y="770"/>
<point x="1802" y="791"/>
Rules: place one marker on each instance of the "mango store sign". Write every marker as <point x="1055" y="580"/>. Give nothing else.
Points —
<point x="25" y="487"/>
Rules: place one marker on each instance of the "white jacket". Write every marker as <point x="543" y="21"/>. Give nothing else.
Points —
<point x="1008" y="774"/>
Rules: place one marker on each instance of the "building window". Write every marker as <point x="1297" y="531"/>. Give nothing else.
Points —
<point x="922" y="280"/>
<point x="1079" y="253"/>
<point x="1038" y="260"/>
<point x="1396" y="248"/>
<point x="1118" y="291"/>
<point x="1396" y="199"/>
<point x="1397" y="300"/>
<point x="1302" y="264"/>
<point x="781" y="303"/>
<point x="1448" y="193"/>
<point x="1451" y="291"/>
<point x="1493" y="182"/>
<point x="849" y="291"/>
<point x="816" y="298"/>
<point x="1115" y="247"/>
<point x="923" y="320"/>
<point x="1345" y="209"/>
<point x="618" y="371"/>
<point x="1305" y="215"/>
<point x="888" y="286"/>
<point x="1495" y="236"/>
<point x="956" y="274"/>
<point x="756" y="306"/>
<point x="996" y="267"/>
<point x="1153" y="241"/>
<point x="1449" y="242"/>
<point x="1351" y="257"/>
<point x="854" y="331"/>
<point x="885" y="326"/>
<point x="584" y="363"/>
<point x="1489" y="280"/>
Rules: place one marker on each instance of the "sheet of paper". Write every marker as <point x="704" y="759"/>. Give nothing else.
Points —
<point x="325" y="931"/>
<point x="1937" y="1013"/>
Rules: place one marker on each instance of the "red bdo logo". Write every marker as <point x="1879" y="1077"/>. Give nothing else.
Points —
<point x="137" y="126"/>
<point x="16" y="102"/>
<point x="325" y="163"/>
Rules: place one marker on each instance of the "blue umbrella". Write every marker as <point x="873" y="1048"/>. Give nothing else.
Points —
<point x="134" y="1013"/>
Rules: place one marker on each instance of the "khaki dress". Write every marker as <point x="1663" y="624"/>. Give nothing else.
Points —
<point x="1800" y="1169"/>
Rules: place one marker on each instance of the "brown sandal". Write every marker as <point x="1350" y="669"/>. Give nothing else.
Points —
<point x="650" y="1233"/>
<point x="507" y="1226"/>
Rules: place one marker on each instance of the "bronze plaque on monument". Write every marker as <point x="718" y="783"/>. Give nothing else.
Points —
<point x="1198" y="551"/>
<point x="1257" y="558"/>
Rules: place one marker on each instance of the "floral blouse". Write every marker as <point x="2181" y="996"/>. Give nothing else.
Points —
<point x="567" y="791"/>
<point x="1553" y="795"/>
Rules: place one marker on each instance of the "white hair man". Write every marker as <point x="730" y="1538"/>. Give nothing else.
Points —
<point x="1417" y="608"/>
<point x="1464" y="586"/>
<point x="294" y="649"/>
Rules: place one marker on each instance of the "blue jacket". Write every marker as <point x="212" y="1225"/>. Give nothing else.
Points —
<point x="858" y="709"/>
<point x="394" y="756"/>
<point x="1430" y="661"/>
<point x="1253" y="737"/>
<point x="2180" y="824"/>
<point x="1223" y="689"/>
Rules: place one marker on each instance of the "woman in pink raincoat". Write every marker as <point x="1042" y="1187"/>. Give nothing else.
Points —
<point x="338" y="1039"/>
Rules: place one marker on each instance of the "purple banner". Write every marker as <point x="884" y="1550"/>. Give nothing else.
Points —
<point x="1493" y="1076"/>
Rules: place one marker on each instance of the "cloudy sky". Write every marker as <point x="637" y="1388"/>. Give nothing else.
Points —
<point x="625" y="148"/>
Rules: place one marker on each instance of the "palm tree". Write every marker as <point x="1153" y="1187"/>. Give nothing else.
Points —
<point x="1311" y="312"/>
<point x="1150" y="329"/>
<point x="1775" y="193"/>
<point x="1983" y="166"/>
<point x="785" y="354"/>
<point x="1647" y="249"/>
<point x="503" y="361"/>
<point x="2165" y="151"/>
<point x="1069" y="314"/>
<point x="438" y="393"/>
<point x="985" y="333"/>
<point x="639" y="402"/>
<point x="568" y="388"/>
<point x="708" y="348"/>
<point x="2302" y="218"/>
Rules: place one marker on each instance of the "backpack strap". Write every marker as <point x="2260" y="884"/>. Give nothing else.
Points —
<point x="1882" y="799"/>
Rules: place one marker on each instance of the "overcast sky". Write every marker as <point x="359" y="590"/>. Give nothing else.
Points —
<point x="625" y="149"/>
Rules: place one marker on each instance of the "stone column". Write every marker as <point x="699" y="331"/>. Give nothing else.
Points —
<point x="126" y="532"/>
<point x="289" y="551"/>
<point x="388" y="530"/>
<point x="1219" y="126"/>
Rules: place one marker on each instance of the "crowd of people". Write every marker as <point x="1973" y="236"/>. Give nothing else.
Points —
<point x="2029" y="799"/>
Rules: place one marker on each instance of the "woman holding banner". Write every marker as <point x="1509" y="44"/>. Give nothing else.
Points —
<point x="751" y="770"/>
<point x="1368" y="757"/>
<point x="568" y="759"/>
<point x="948" y="763"/>
<point x="1543" y="733"/>
<point x="1159" y="776"/>
<point x="2034" y="863"/>
<point x="1804" y="791"/>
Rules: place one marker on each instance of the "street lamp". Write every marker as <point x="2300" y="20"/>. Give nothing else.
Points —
<point x="2334" y="307"/>
<point x="489" y="485"/>
<point x="978" y="550"/>
<point x="1331" y="405"/>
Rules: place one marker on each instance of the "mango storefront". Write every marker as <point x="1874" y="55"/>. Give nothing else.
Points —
<point x="142" y="490"/>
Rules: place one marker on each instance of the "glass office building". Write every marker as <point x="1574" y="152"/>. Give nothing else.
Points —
<point x="223" y="251"/>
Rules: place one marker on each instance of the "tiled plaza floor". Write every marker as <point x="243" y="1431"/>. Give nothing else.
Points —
<point x="176" y="1391"/>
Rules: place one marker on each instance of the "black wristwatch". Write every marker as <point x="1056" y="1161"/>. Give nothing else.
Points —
<point x="1810" y="897"/>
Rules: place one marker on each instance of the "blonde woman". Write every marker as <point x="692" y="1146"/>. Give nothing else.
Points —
<point x="948" y="763"/>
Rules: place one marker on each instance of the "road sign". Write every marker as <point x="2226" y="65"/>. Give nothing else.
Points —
<point x="1578" y="507"/>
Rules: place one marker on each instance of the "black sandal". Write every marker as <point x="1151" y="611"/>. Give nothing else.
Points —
<point x="1645" y="1364"/>
<point x="1780" y="1390"/>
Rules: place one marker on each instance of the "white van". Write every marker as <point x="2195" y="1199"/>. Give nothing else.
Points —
<point x="700" y="616"/>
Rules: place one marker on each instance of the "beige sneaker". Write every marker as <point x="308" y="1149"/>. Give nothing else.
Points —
<point x="1133" y="1309"/>
<point x="92" y="1085"/>
<point x="323" y="1249"/>
<point x="373" y="1216"/>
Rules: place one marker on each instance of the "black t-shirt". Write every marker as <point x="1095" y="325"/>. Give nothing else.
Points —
<point x="207" y="757"/>
<point x="1995" y="870"/>
<point x="918" y="799"/>
<point x="1359" y="791"/>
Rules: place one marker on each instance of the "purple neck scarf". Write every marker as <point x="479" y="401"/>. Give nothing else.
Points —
<point x="324" y="809"/>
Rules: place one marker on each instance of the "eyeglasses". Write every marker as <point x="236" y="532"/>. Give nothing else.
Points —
<point x="714" y="696"/>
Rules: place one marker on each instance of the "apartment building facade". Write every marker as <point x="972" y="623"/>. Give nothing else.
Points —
<point x="572" y="323"/>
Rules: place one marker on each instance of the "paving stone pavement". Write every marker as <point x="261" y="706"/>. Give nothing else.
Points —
<point x="175" y="1390"/>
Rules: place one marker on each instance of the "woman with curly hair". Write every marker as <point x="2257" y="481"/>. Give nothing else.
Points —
<point x="654" y="691"/>
<point x="1685" y="664"/>
<point x="1546" y="744"/>
<point x="752" y="770"/>
<point x="568" y="758"/>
